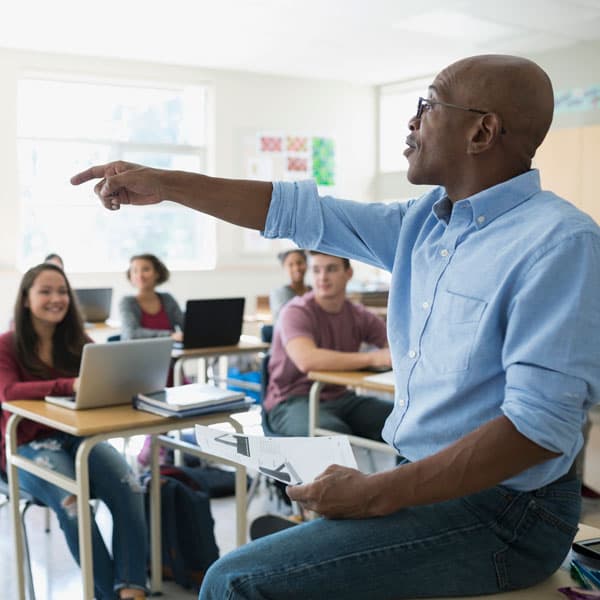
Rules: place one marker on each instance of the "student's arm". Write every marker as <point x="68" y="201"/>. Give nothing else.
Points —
<point x="13" y="388"/>
<point x="238" y="201"/>
<point x="305" y="354"/>
<point x="494" y="452"/>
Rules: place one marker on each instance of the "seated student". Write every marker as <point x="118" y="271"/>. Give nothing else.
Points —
<point x="294" y="263"/>
<point x="41" y="357"/>
<point x="323" y="330"/>
<point x="149" y="313"/>
<point x="55" y="259"/>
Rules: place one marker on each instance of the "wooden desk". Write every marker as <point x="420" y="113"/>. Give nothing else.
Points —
<point x="547" y="590"/>
<point x="247" y="345"/>
<point x="97" y="425"/>
<point x="352" y="379"/>
<point x="100" y="332"/>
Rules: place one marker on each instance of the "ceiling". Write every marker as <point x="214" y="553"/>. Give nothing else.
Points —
<point x="362" y="41"/>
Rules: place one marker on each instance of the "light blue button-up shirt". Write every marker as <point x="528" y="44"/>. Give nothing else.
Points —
<point x="494" y="309"/>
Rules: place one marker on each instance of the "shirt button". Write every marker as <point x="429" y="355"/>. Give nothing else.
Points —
<point x="425" y="305"/>
<point x="444" y="252"/>
<point x="412" y="354"/>
<point x="481" y="219"/>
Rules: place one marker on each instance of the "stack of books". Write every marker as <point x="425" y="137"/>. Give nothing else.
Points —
<point x="190" y="400"/>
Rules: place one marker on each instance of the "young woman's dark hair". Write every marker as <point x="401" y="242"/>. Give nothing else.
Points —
<point x="69" y="335"/>
<point x="159" y="267"/>
<point x="283" y="255"/>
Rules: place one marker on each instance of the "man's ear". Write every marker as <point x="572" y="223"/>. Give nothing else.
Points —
<point x="484" y="134"/>
<point x="350" y="273"/>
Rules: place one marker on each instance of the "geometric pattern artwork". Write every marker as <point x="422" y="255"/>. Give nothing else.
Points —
<point x="292" y="157"/>
<point x="297" y="163"/>
<point x="296" y="143"/>
<point x="323" y="161"/>
<point x="270" y="144"/>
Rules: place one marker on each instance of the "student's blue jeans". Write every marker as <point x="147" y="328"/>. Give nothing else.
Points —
<point x="111" y="481"/>
<point x="489" y="542"/>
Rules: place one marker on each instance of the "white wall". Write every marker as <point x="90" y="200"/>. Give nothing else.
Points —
<point x="243" y="103"/>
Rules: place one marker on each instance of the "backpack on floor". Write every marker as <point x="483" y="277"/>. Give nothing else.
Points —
<point x="187" y="531"/>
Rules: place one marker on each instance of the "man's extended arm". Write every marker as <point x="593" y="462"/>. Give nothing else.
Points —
<point x="238" y="201"/>
<point x="483" y="458"/>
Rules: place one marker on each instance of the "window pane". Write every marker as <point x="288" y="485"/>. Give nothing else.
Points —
<point x="111" y="112"/>
<point x="155" y="127"/>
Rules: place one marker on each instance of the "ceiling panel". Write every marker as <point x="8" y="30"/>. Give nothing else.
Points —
<point x="362" y="41"/>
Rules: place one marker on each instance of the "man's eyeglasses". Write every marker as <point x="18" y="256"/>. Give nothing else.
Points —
<point x="426" y="104"/>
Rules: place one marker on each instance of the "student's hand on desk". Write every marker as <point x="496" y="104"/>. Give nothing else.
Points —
<point x="338" y="493"/>
<point x="177" y="336"/>
<point x="380" y="358"/>
<point x="123" y="183"/>
<point x="75" y="384"/>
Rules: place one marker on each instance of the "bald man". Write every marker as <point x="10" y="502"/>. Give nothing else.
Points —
<point x="492" y="325"/>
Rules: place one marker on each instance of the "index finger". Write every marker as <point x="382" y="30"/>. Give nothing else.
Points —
<point x="298" y="492"/>
<point x="95" y="172"/>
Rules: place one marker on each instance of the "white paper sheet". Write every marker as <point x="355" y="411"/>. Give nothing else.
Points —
<point x="292" y="460"/>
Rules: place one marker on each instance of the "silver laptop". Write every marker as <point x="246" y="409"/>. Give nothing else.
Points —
<point x="94" y="303"/>
<point x="114" y="372"/>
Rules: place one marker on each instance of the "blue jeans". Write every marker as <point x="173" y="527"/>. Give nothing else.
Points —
<point x="492" y="541"/>
<point x="350" y="414"/>
<point x="111" y="481"/>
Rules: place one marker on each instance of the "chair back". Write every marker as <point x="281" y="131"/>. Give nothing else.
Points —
<point x="264" y="384"/>
<point x="266" y="333"/>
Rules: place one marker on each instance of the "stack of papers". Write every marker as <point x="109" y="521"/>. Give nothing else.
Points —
<point x="191" y="399"/>
<point x="291" y="460"/>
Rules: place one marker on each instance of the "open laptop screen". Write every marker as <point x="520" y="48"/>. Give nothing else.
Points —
<point x="94" y="303"/>
<point x="213" y="322"/>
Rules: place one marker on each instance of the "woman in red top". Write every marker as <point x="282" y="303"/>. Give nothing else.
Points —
<point x="149" y="313"/>
<point x="41" y="357"/>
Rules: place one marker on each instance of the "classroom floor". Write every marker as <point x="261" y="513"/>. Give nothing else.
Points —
<point x="57" y="577"/>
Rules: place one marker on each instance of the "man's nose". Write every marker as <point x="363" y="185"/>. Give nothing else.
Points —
<point x="414" y="123"/>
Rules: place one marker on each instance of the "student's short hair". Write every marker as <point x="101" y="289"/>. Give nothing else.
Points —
<point x="53" y="256"/>
<point x="283" y="255"/>
<point x="346" y="261"/>
<point x="159" y="267"/>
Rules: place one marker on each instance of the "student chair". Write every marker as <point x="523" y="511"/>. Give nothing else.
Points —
<point x="266" y="333"/>
<point x="26" y="501"/>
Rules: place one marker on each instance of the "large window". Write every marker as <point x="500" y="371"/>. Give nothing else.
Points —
<point x="397" y="104"/>
<point x="66" y="125"/>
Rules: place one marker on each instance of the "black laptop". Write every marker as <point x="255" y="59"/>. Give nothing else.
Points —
<point x="212" y="322"/>
<point x="94" y="303"/>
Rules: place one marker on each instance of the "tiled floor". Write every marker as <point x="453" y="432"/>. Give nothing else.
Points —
<point x="57" y="577"/>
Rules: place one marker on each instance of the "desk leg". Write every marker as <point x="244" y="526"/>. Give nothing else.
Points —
<point x="178" y="371"/>
<point x="241" y="484"/>
<point x="155" y="533"/>
<point x="13" y="481"/>
<point x="313" y="407"/>
<point x="84" y="517"/>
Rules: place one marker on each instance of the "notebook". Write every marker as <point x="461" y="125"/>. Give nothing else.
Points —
<point x="112" y="373"/>
<point x="94" y="303"/>
<point x="213" y="322"/>
<point x="193" y="395"/>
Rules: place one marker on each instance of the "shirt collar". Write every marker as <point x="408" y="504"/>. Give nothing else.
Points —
<point x="493" y="202"/>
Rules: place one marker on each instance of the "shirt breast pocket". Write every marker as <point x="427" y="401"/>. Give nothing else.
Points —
<point x="462" y="316"/>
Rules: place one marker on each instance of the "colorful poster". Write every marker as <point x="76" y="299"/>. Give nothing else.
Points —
<point x="578" y="100"/>
<point x="323" y="161"/>
<point x="270" y="143"/>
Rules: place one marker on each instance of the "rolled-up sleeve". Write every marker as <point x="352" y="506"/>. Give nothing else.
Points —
<point x="551" y="352"/>
<point x="367" y="232"/>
